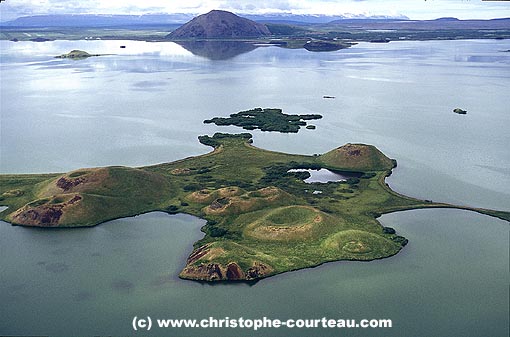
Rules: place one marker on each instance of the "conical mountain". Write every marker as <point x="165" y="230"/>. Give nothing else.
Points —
<point x="219" y="25"/>
<point x="358" y="157"/>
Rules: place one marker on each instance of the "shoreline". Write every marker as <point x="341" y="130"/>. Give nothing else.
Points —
<point x="251" y="227"/>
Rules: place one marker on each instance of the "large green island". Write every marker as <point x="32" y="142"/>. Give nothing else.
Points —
<point x="262" y="219"/>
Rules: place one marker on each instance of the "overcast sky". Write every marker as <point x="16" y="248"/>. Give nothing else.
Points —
<point x="414" y="9"/>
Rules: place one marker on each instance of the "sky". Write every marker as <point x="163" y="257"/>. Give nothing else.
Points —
<point x="414" y="9"/>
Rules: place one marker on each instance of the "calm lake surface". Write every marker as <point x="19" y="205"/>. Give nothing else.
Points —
<point x="146" y="105"/>
<point x="324" y="175"/>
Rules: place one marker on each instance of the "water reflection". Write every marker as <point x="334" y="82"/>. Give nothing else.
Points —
<point x="217" y="50"/>
<point x="58" y="47"/>
<point x="326" y="176"/>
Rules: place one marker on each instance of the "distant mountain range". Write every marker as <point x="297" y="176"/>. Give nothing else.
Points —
<point x="317" y="18"/>
<point x="92" y="20"/>
<point x="348" y="21"/>
<point x="437" y="24"/>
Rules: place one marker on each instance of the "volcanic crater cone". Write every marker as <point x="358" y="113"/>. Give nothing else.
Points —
<point x="219" y="25"/>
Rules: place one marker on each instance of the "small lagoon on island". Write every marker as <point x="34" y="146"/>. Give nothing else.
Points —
<point x="146" y="105"/>
<point x="325" y="176"/>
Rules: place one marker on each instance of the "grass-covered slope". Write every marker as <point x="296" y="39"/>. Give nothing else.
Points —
<point x="89" y="196"/>
<point x="261" y="219"/>
<point x="358" y="157"/>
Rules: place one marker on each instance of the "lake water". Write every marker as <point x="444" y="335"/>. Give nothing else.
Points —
<point x="324" y="175"/>
<point x="146" y="105"/>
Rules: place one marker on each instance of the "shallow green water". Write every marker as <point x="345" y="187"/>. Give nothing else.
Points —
<point x="146" y="105"/>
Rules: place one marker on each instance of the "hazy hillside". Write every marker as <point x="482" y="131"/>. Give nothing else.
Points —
<point x="219" y="24"/>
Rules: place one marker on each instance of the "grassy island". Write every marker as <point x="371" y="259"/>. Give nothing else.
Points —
<point x="76" y="54"/>
<point x="325" y="46"/>
<point x="265" y="120"/>
<point x="262" y="219"/>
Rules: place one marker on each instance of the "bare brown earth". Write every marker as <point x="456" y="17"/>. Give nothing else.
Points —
<point x="217" y="271"/>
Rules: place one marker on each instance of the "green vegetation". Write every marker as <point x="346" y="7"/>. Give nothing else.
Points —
<point x="285" y="29"/>
<point x="358" y="157"/>
<point x="287" y="35"/>
<point x="265" y="120"/>
<point x="322" y="46"/>
<point x="76" y="55"/>
<point x="261" y="219"/>
<point x="85" y="197"/>
<point x="143" y="33"/>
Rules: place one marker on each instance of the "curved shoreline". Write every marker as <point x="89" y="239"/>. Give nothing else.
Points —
<point x="210" y="187"/>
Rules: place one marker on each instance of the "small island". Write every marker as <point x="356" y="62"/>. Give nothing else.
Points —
<point x="325" y="46"/>
<point x="262" y="218"/>
<point x="77" y="55"/>
<point x="459" y="111"/>
<point x="265" y="120"/>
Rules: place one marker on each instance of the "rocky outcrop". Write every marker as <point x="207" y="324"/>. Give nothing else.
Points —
<point x="234" y="272"/>
<point x="200" y="266"/>
<point x="84" y="180"/>
<point x="231" y="272"/>
<point x="259" y="270"/>
<point x="219" y="25"/>
<point x="67" y="184"/>
<point x="45" y="212"/>
<point x="95" y="195"/>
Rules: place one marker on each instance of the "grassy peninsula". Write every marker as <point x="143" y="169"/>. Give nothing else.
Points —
<point x="262" y="219"/>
